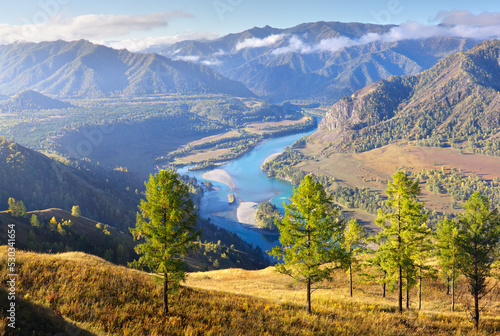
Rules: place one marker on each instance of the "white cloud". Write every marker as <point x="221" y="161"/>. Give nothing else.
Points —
<point x="295" y="44"/>
<point x="192" y="59"/>
<point x="254" y="42"/>
<point x="456" y="17"/>
<point x="91" y="27"/>
<point x="461" y="24"/>
<point x="138" y="45"/>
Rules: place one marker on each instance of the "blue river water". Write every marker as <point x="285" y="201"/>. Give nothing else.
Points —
<point x="251" y="185"/>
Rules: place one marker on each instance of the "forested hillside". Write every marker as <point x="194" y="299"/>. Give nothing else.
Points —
<point x="41" y="183"/>
<point x="30" y="100"/>
<point x="453" y="104"/>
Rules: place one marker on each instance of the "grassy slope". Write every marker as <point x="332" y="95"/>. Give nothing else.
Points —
<point x="75" y="292"/>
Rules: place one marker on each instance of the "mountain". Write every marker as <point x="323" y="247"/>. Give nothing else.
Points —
<point x="83" y="69"/>
<point x="455" y="103"/>
<point x="31" y="100"/>
<point x="42" y="182"/>
<point x="321" y="61"/>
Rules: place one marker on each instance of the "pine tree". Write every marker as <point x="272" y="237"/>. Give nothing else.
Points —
<point x="446" y="235"/>
<point x="35" y="222"/>
<point x="401" y="230"/>
<point x="310" y="235"/>
<point x="477" y="241"/>
<point x="166" y="223"/>
<point x="353" y="243"/>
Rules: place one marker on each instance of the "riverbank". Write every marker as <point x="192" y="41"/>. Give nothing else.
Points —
<point x="272" y="156"/>
<point x="219" y="175"/>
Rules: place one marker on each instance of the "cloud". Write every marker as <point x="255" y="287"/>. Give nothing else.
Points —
<point x="91" y="27"/>
<point x="149" y="43"/>
<point x="254" y="42"/>
<point x="295" y="44"/>
<point x="460" y="24"/>
<point x="192" y="59"/>
<point x="456" y="17"/>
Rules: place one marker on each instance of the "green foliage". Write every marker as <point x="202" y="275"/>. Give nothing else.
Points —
<point x="353" y="243"/>
<point x="16" y="208"/>
<point x="310" y="236"/>
<point x="167" y="223"/>
<point x="447" y="253"/>
<point x="35" y="222"/>
<point x="477" y="242"/>
<point x="75" y="211"/>
<point x="283" y="167"/>
<point x="266" y="215"/>
<point x="402" y="229"/>
<point x="44" y="183"/>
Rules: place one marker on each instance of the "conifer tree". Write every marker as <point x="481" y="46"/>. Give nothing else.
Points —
<point x="75" y="211"/>
<point x="311" y="234"/>
<point x="166" y="225"/>
<point x="401" y="230"/>
<point x="446" y="235"/>
<point x="477" y="241"/>
<point x="17" y="208"/>
<point x="353" y="243"/>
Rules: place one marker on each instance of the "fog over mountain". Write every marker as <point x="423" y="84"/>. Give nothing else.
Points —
<point x="323" y="61"/>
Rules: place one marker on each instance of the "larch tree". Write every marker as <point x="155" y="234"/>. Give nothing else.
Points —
<point x="75" y="211"/>
<point x="423" y="251"/>
<point x="477" y="241"/>
<point x="166" y="225"/>
<point x="446" y="237"/>
<point x="401" y="230"/>
<point x="17" y="208"/>
<point x="353" y="243"/>
<point x="311" y="234"/>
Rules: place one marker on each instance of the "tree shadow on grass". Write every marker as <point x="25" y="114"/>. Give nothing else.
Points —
<point x="35" y="319"/>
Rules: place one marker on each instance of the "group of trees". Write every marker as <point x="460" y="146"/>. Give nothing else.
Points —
<point x="315" y="239"/>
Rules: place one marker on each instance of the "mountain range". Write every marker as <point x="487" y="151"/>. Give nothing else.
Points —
<point x="321" y="61"/>
<point x="81" y="69"/>
<point x="455" y="103"/>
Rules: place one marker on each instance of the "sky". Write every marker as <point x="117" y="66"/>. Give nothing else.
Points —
<point x="137" y="24"/>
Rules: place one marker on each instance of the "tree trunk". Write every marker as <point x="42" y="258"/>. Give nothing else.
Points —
<point x="383" y="284"/>
<point x="165" y="295"/>
<point x="453" y="287"/>
<point x="420" y="290"/>
<point x="309" y="311"/>
<point x="400" y="290"/>
<point x="447" y="285"/>
<point x="350" y="279"/>
<point x="407" y="293"/>
<point x="476" y="290"/>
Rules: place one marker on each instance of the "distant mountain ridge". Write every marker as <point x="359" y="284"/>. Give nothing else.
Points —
<point x="82" y="69"/>
<point x="295" y="63"/>
<point x="455" y="103"/>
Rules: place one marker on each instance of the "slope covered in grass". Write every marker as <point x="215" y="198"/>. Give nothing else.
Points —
<point x="74" y="292"/>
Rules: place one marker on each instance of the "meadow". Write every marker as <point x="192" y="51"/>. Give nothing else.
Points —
<point x="78" y="294"/>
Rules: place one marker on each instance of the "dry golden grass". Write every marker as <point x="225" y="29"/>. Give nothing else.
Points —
<point x="73" y="293"/>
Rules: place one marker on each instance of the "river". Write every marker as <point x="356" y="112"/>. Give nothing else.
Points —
<point x="251" y="184"/>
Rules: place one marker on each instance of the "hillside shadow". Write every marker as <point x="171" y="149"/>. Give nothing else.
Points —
<point x="34" y="319"/>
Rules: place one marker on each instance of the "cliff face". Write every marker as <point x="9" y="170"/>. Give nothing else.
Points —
<point x="345" y="112"/>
